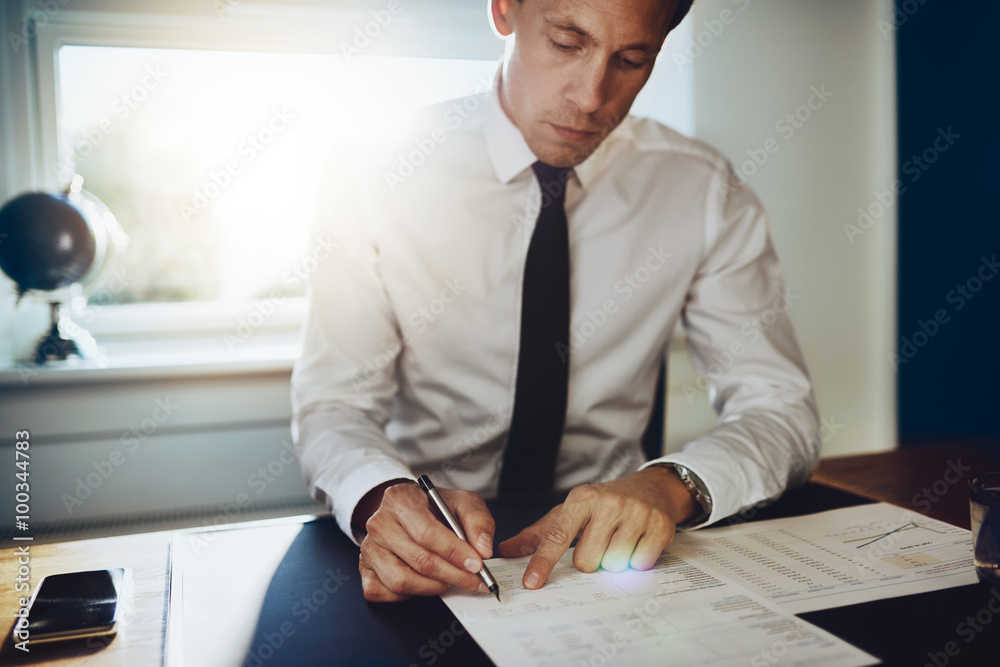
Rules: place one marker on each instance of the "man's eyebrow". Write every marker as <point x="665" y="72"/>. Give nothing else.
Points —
<point x="564" y="23"/>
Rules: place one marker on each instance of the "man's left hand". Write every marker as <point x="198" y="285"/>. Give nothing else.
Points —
<point x="621" y="523"/>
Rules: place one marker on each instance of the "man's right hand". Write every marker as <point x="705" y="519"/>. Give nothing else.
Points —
<point x="409" y="551"/>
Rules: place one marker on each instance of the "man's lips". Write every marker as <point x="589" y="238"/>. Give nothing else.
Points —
<point x="570" y="134"/>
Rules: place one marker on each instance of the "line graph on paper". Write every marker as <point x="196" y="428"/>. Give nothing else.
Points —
<point x="836" y="557"/>
<point x="872" y="539"/>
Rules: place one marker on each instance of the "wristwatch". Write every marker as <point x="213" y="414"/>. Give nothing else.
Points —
<point x="698" y="491"/>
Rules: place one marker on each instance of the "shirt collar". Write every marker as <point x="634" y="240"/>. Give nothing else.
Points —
<point x="511" y="155"/>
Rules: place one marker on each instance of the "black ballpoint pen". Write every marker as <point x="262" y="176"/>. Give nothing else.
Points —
<point x="428" y="486"/>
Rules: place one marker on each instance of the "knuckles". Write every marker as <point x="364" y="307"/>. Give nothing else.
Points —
<point x="584" y="493"/>
<point x="400" y="494"/>
<point x="423" y="563"/>
<point x="555" y="534"/>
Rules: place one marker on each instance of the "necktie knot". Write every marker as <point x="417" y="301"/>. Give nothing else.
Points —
<point x="552" y="181"/>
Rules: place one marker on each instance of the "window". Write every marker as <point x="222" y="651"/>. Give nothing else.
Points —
<point x="210" y="159"/>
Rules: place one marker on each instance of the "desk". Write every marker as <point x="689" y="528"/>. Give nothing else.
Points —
<point x="338" y="627"/>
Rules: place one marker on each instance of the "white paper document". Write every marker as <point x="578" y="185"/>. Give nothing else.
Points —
<point x="721" y="596"/>
<point x="677" y="613"/>
<point x="835" y="558"/>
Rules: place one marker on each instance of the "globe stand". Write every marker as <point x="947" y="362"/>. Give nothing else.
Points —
<point x="66" y="338"/>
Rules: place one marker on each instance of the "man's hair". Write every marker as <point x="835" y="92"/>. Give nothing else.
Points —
<point x="683" y="7"/>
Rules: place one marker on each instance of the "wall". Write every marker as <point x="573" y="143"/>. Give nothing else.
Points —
<point x="761" y="61"/>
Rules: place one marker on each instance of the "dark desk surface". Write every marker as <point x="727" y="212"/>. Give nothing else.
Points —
<point x="932" y="479"/>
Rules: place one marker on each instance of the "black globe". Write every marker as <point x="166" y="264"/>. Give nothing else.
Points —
<point x="45" y="242"/>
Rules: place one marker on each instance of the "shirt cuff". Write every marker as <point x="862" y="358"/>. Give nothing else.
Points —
<point x="345" y="496"/>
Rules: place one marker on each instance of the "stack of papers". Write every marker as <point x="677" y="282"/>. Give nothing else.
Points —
<point x="720" y="596"/>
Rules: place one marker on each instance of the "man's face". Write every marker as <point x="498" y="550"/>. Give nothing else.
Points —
<point x="575" y="68"/>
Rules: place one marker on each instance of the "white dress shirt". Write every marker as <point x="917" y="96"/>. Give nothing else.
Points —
<point x="411" y="344"/>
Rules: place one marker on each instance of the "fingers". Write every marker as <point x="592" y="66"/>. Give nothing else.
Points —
<point x="617" y="528"/>
<point x="477" y="522"/>
<point x="401" y="580"/>
<point x="598" y="535"/>
<point x="374" y="589"/>
<point x="405" y="519"/>
<point x="408" y="551"/>
<point x="525" y="542"/>
<point x="420" y="559"/>
<point x="618" y="553"/>
<point x="649" y="548"/>
<point x="563" y="527"/>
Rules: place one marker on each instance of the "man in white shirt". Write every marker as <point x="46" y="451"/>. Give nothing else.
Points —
<point x="410" y="355"/>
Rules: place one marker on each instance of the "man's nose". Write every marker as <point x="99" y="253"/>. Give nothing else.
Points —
<point x="588" y="90"/>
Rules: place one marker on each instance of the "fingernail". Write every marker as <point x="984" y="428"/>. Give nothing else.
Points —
<point x="531" y="580"/>
<point x="471" y="565"/>
<point x="485" y="544"/>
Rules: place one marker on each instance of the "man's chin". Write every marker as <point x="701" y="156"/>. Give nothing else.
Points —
<point x="562" y="154"/>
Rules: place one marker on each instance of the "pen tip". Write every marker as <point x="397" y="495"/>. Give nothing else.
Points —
<point x="496" y="592"/>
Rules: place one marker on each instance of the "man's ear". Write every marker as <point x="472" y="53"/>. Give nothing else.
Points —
<point x="500" y="16"/>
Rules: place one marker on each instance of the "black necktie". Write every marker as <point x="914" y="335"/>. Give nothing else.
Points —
<point x="536" y="427"/>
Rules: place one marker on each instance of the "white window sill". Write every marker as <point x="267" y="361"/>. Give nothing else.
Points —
<point x="179" y="340"/>
<point x="176" y="357"/>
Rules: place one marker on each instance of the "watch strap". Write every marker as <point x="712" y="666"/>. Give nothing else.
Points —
<point x="696" y="487"/>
